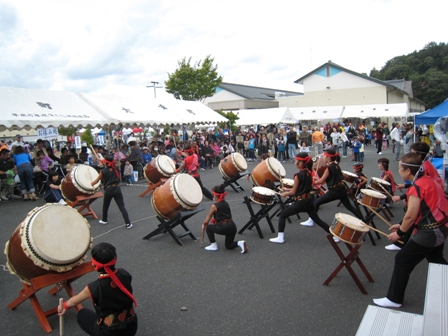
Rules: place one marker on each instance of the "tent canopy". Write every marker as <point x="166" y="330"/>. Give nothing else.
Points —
<point x="26" y="108"/>
<point x="316" y="113"/>
<point x="430" y="117"/>
<point x="265" y="116"/>
<point x="375" y="111"/>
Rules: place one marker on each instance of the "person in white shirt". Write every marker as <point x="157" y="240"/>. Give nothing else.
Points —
<point x="18" y="142"/>
<point x="396" y="137"/>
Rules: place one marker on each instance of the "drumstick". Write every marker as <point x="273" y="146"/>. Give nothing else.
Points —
<point x="281" y="181"/>
<point x="379" y="231"/>
<point x="61" y="319"/>
<point x="93" y="150"/>
<point x="202" y="239"/>
<point x="376" y="213"/>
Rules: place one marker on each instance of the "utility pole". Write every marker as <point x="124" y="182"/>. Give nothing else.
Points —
<point x="155" y="86"/>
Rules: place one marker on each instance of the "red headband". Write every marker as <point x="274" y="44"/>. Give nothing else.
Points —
<point x="111" y="164"/>
<point x="331" y="155"/>
<point x="306" y="159"/>
<point x="221" y="196"/>
<point x="113" y="276"/>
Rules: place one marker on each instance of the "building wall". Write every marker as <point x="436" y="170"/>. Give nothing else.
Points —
<point x="222" y="95"/>
<point x="338" y="81"/>
<point x="242" y="104"/>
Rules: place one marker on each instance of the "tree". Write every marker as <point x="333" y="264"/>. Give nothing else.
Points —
<point x="195" y="82"/>
<point x="67" y="131"/>
<point x="87" y="137"/>
<point x="232" y="119"/>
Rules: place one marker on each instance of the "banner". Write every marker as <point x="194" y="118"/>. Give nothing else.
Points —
<point x="51" y="132"/>
<point x="77" y="142"/>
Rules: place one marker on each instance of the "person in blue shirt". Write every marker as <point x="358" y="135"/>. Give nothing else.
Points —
<point x="356" y="148"/>
<point x="146" y="156"/>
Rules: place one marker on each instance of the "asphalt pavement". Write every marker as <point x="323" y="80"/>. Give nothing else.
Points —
<point x="274" y="289"/>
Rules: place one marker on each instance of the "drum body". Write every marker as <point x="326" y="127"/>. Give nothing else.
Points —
<point x="78" y="182"/>
<point x="179" y="192"/>
<point x="232" y="164"/>
<point x="262" y="195"/>
<point x="348" y="228"/>
<point x="319" y="164"/>
<point x="371" y="198"/>
<point x="51" y="239"/>
<point x="349" y="177"/>
<point x="159" y="167"/>
<point x="267" y="172"/>
<point x="379" y="184"/>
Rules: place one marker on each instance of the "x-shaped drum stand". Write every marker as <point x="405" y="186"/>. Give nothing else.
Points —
<point x="233" y="182"/>
<point x="256" y="217"/>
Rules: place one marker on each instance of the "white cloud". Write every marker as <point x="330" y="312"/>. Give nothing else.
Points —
<point x="110" y="46"/>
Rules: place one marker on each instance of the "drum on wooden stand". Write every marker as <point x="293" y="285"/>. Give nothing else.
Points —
<point x="379" y="184"/>
<point x="319" y="164"/>
<point x="349" y="177"/>
<point x="232" y="164"/>
<point x="288" y="183"/>
<point x="51" y="239"/>
<point x="262" y="195"/>
<point x="78" y="182"/>
<point x="162" y="166"/>
<point x="349" y="229"/>
<point x="179" y="192"/>
<point x="371" y="198"/>
<point x="267" y="172"/>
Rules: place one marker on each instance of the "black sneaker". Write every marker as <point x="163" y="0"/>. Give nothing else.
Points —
<point x="128" y="226"/>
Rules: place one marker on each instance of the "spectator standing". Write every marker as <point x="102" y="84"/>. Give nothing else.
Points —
<point x="379" y="134"/>
<point x="22" y="161"/>
<point x="317" y="138"/>
<point x="395" y="136"/>
<point x="291" y="141"/>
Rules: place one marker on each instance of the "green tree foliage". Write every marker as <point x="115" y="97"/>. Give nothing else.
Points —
<point x="232" y="119"/>
<point x="67" y="131"/>
<point x="87" y="137"/>
<point x="194" y="82"/>
<point x="426" y="68"/>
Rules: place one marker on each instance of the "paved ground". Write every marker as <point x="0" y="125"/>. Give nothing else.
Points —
<point x="272" y="290"/>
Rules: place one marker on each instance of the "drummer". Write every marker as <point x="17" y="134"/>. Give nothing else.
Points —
<point x="301" y="191"/>
<point x="362" y="179"/>
<point x="111" y="182"/>
<point x="221" y="222"/>
<point x="426" y="218"/>
<point x="191" y="163"/>
<point x="383" y="165"/>
<point x="112" y="297"/>
<point x="333" y="177"/>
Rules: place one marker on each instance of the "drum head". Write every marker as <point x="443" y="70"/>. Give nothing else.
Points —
<point x="187" y="189"/>
<point x="373" y="193"/>
<point x="165" y="165"/>
<point x="380" y="181"/>
<point x="83" y="176"/>
<point x="288" y="182"/>
<point x="275" y="167"/>
<point x="240" y="161"/>
<point x="351" y="222"/>
<point x="59" y="234"/>
<point x="263" y="191"/>
<point x="344" y="172"/>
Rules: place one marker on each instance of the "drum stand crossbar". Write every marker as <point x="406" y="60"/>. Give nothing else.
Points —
<point x="256" y="217"/>
<point x="347" y="261"/>
<point x="60" y="280"/>
<point x="233" y="182"/>
<point x="152" y="187"/>
<point x="168" y="225"/>
<point x="282" y="206"/>
<point x="84" y="202"/>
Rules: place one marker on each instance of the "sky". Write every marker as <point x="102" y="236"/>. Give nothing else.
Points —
<point x="119" y="47"/>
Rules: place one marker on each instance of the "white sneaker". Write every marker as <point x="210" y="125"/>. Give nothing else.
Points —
<point x="102" y="222"/>
<point x="242" y="244"/>
<point x="309" y="222"/>
<point x="4" y="198"/>
<point x="62" y="202"/>
<point x="128" y="226"/>
<point x="392" y="247"/>
<point x="277" y="240"/>
<point x="385" y="302"/>
<point x="336" y="239"/>
<point x="380" y="153"/>
<point x="212" y="247"/>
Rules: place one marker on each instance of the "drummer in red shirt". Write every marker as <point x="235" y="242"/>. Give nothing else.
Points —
<point x="191" y="163"/>
<point x="427" y="218"/>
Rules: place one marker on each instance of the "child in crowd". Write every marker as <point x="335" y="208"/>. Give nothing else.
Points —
<point x="281" y="149"/>
<point x="356" y="148"/>
<point x="328" y="145"/>
<point x="45" y="162"/>
<point x="361" y="149"/>
<point x="128" y="172"/>
<point x="221" y="222"/>
<point x="53" y="193"/>
<point x="71" y="164"/>
<point x="147" y="157"/>
<point x="304" y="148"/>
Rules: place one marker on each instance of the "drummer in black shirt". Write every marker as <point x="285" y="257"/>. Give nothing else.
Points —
<point x="111" y="181"/>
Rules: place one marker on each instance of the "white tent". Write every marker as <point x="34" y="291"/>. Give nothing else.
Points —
<point x="265" y="116"/>
<point x="375" y="111"/>
<point x="317" y="112"/>
<point x="142" y="111"/>
<point x="29" y="108"/>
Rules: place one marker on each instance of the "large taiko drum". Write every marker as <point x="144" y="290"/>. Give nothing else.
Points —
<point x="180" y="192"/>
<point x="371" y="198"/>
<point x="349" y="229"/>
<point x="379" y="184"/>
<point x="349" y="177"/>
<point x="232" y="164"/>
<point x="262" y="195"/>
<point x="267" y="172"/>
<point x="51" y="239"/>
<point x="319" y="164"/>
<point x="162" y="166"/>
<point x="78" y="182"/>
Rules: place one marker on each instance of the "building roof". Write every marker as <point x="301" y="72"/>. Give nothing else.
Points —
<point x="254" y="92"/>
<point x="334" y="65"/>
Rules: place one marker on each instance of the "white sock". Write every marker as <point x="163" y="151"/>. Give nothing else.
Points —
<point x="243" y="246"/>
<point x="280" y="238"/>
<point x="385" y="302"/>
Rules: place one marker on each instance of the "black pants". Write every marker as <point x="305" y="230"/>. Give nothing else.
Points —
<point x="87" y="321"/>
<point x="406" y="259"/>
<point x="227" y="229"/>
<point x="338" y="193"/>
<point x="379" y="146"/>
<point x="53" y="195"/>
<point x="301" y="206"/>
<point x="114" y="193"/>
<point x="205" y="191"/>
